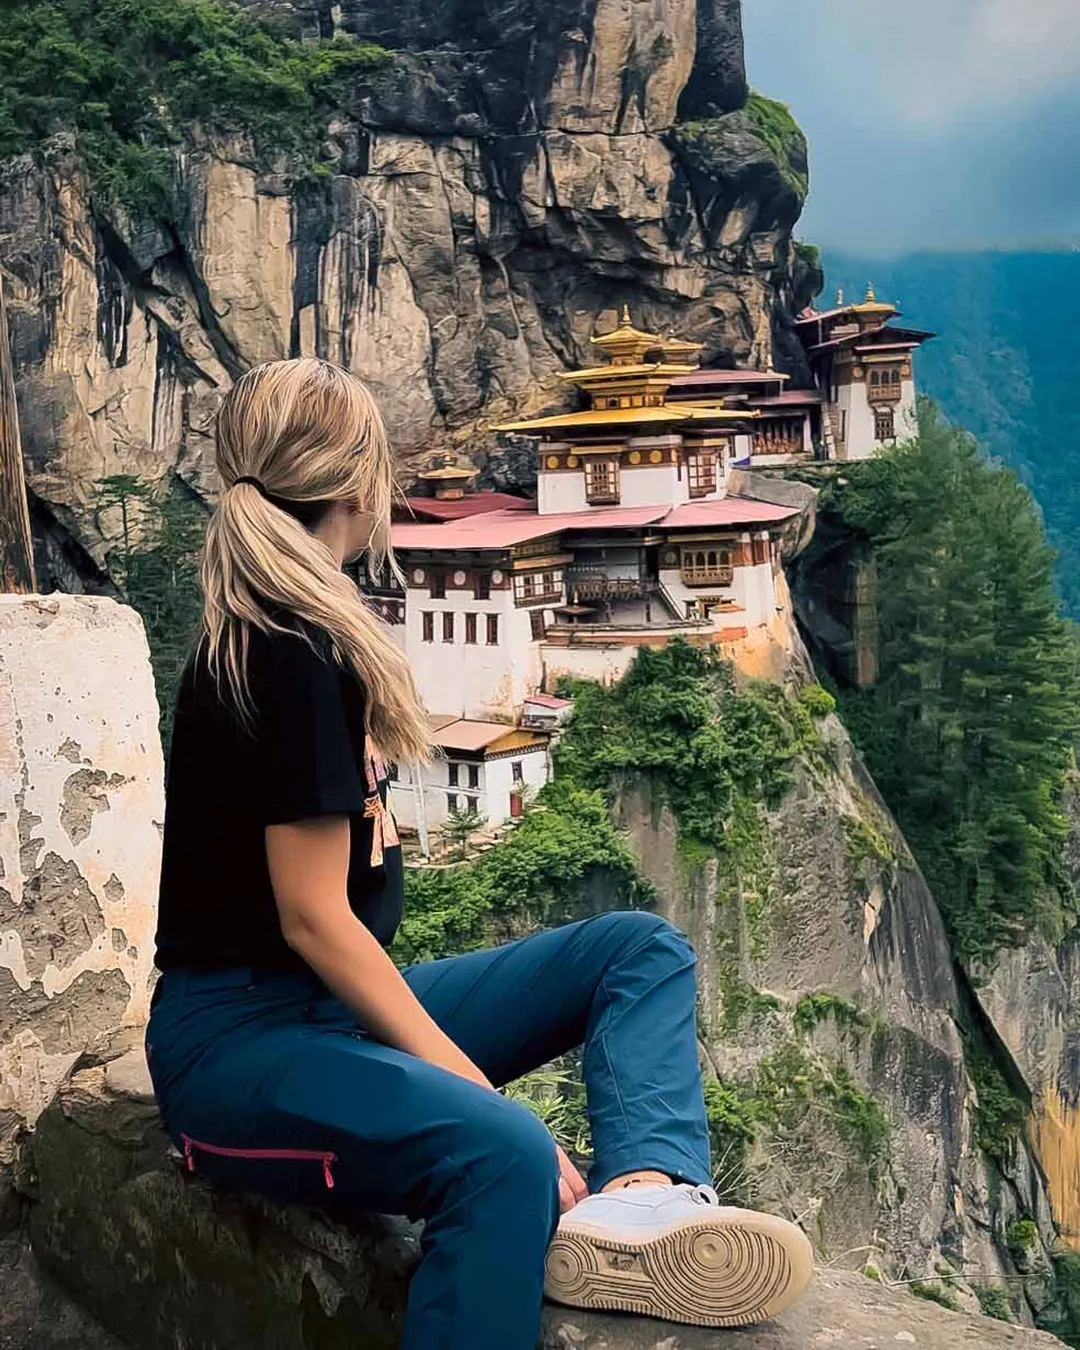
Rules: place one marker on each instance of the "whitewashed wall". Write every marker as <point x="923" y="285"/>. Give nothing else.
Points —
<point x="81" y="810"/>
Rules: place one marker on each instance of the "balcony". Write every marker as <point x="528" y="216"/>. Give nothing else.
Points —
<point x="589" y="582"/>
<point x="708" y="575"/>
<point x="884" y="393"/>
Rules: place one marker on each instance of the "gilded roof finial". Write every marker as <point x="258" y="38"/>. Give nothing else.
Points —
<point x="624" y="322"/>
<point x="839" y="297"/>
<point x="871" y="297"/>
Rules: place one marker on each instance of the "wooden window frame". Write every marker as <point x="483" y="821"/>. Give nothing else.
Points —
<point x="452" y="774"/>
<point x="482" y="586"/>
<point x="537" y="625"/>
<point x="438" y="584"/>
<point x="474" y="776"/>
<point x="448" y="626"/>
<point x="492" y="630"/>
<point x="884" y="422"/>
<point x="701" y="475"/>
<point x="427" y="625"/>
<point x="470" y="628"/>
<point x="604" y="492"/>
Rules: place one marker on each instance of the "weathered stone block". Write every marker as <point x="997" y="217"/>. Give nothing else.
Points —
<point x="164" y="1260"/>
<point x="80" y="811"/>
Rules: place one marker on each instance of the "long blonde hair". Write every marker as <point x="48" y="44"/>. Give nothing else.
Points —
<point x="309" y="433"/>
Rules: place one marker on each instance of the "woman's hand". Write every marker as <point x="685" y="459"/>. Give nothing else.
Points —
<point x="572" y="1186"/>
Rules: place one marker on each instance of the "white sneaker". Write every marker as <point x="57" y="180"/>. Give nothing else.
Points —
<point x="676" y="1253"/>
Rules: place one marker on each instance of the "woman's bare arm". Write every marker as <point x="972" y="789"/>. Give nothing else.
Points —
<point x="309" y="865"/>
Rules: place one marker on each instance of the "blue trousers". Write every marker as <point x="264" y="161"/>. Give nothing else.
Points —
<point x="269" y="1086"/>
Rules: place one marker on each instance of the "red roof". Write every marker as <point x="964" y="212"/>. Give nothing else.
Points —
<point x="502" y="529"/>
<point x="727" y="377"/>
<point x="727" y="511"/>
<point x="549" y="701"/>
<point x="475" y="504"/>
<point x="814" y="315"/>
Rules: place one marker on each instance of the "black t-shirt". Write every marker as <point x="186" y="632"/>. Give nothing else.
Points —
<point x="305" y="755"/>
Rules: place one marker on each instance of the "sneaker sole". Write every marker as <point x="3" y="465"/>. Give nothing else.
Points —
<point x="731" y="1268"/>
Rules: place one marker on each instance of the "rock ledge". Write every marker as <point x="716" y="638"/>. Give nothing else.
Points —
<point x="161" y="1259"/>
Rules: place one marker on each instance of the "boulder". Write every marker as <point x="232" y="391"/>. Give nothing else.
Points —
<point x="162" y="1259"/>
<point x="80" y="811"/>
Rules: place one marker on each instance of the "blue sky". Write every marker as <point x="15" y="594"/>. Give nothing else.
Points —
<point x="932" y="123"/>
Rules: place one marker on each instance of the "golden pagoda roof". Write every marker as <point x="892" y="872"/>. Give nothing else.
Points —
<point x="613" y="417"/>
<point x="871" y="305"/>
<point x="447" y="468"/>
<point x="642" y="369"/>
<point x="598" y="417"/>
<point x="627" y="345"/>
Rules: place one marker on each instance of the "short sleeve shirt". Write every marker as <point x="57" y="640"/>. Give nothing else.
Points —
<point x="305" y="754"/>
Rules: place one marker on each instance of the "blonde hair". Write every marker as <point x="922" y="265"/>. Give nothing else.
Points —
<point x="310" y="434"/>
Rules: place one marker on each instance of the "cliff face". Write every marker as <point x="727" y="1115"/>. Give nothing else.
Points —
<point x="831" y="1013"/>
<point x="515" y="171"/>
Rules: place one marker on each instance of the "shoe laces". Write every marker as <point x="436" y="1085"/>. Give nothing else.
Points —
<point x="701" y="1195"/>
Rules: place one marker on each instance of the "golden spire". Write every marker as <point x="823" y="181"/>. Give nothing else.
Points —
<point x="870" y="296"/>
<point x="839" y="297"/>
<point x="624" y="321"/>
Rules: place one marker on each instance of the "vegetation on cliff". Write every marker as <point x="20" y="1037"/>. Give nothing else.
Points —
<point x="763" y="128"/>
<point x="970" y="729"/>
<point x="159" y="531"/>
<point x="535" y="879"/>
<point x="128" y="77"/>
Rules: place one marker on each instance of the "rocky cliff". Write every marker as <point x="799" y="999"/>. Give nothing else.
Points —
<point x="511" y="172"/>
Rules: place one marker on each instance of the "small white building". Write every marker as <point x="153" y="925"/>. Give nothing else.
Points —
<point x="488" y="767"/>
<point x="862" y="364"/>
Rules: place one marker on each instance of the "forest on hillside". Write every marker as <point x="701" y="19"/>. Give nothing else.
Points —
<point x="1004" y="363"/>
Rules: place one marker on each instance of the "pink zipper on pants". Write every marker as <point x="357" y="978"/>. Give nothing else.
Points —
<point x="267" y="1154"/>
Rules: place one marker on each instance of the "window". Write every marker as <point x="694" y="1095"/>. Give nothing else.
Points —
<point x="451" y="802"/>
<point x="706" y="567"/>
<point x="536" y="620"/>
<point x="531" y="588"/>
<point x="448" y="626"/>
<point x="452" y="774"/>
<point x="438" y="586"/>
<point x="428" y="620"/>
<point x="515" y="768"/>
<point x="483" y="586"/>
<point x="492" y="630"/>
<point x="601" y="481"/>
<point x="474" y="775"/>
<point x="884" y="424"/>
<point x="701" y="473"/>
<point x="470" y="629"/>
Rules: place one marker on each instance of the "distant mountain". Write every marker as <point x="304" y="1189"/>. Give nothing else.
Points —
<point x="1005" y="363"/>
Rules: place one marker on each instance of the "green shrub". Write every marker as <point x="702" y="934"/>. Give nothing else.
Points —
<point x="994" y="1302"/>
<point x="1000" y="1115"/>
<point x="935" y="1293"/>
<point x="817" y="700"/>
<point x="782" y="134"/>
<point x="813" y="1009"/>
<point x="128" y="76"/>
<point x="556" y="1094"/>
<point x="808" y="254"/>
<point x="1022" y="1235"/>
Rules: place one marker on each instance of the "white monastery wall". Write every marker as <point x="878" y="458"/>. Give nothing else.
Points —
<point x="561" y="492"/>
<point x="754" y="590"/>
<point x="81" y="809"/>
<point x="604" y="664"/>
<point x="907" y="416"/>
<point x="472" y="680"/>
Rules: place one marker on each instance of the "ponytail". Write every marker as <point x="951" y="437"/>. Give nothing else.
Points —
<point x="292" y="436"/>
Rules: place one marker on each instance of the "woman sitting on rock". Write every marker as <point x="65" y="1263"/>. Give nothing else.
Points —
<point x="289" y="1054"/>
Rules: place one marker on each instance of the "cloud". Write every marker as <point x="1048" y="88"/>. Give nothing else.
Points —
<point x="930" y="61"/>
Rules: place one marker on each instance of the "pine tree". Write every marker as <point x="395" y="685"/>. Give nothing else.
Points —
<point x="970" y="728"/>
